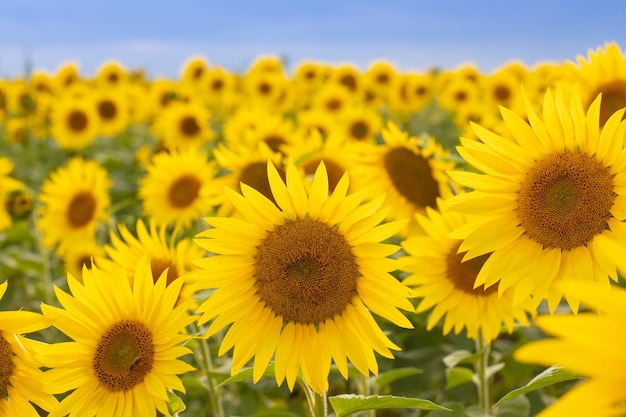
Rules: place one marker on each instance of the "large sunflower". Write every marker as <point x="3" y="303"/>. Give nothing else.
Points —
<point x="75" y="198"/>
<point x="298" y="281"/>
<point x="551" y="201"/>
<point x="124" y="348"/>
<point x="20" y="376"/>
<point x="589" y="344"/>
<point x="443" y="281"/>
<point x="178" y="187"/>
<point x="411" y="171"/>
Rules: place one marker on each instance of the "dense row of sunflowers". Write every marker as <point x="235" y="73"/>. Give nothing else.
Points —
<point x="212" y="234"/>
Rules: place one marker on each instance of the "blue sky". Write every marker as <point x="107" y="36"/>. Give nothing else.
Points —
<point x="413" y="35"/>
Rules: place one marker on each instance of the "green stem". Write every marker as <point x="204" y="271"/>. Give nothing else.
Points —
<point x="207" y="365"/>
<point x="44" y="252"/>
<point x="315" y="401"/>
<point x="482" y="365"/>
<point x="320" y="408"/>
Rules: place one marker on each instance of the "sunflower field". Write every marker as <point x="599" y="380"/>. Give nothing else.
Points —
<point x="325" y="241"/>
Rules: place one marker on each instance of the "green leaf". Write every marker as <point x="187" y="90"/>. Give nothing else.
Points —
<point x="349" y="403"/>
<point x="458" y="376"/>
<point x="516" y="407"/>
<point x="246" y="373"/>
<point x="454" y="358"/>
<point x="392" y="375"/>
<point x="462" y="356"/>
<point x="174" y="404"/>
<point x="550" y="376"/>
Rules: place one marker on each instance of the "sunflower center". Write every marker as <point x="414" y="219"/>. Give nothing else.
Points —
<point x="107" y="109"/>
<point x="160" y="265"/>
<point x="184" y="191"/>
<point x="411" y="175"/>
<point x="613" y="99"/>
<point x="359" y="130"/>
<point x="265" y="88"/>
<point x="460" y="96"/>
<point x="348" y="81"/>
<point x="334" y="105"/>
<point x="255" y="176"/>
<point x="463" y="274"/>
<point x="124" y="355"/>
<point x="6" y="366"/>
<point x="189" y="126"/>
<point x="274" y="142"/>
<point x="77" y="120"/>
<point x="502" y="93"/>
<point x="382" y="78"/>
<point x="113" y="78"/>
<point x="217" y="85"/>
<point x="305" y="271"/>
<point x="83" y="261"/>
<point x="197" y="73"/>
<point x="334" y="170"/>
<point x="81" y="209"/>
<point x="566" y="200"/>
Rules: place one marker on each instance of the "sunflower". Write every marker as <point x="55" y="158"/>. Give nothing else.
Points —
<point x="184" y="125"/>
<point x="443" y="281"/>
<point x="309" y="75"/>
<point x="112" y="110"/>
<point x="123" y="355"/>
<point x="603" y="72"/>
<point x="316" y="120"/>
<point x="336" y="151"/>
<point x="589" y="344"/>
<point x="333" y="99"/>
<point x="178" y="187"/>
<point x="244" y="165"/>
<point x="75" y="122"/>
<point x="218" y="85"/>
<point x="381" y="76"/>
<point x="412" y="92"/>
<point x="17" y="130"/>
<point x="347" y="76"/>
<point x="20" y="376"/>
<point x="298" y="281"/>
<point x="502" y="88"/>
<point x="42" y="82"/>
<point x="411" y="171"/>
<point x="75" y="198"/>
<point x="81" y="254"/>
<point x="67" y="74"/>
<point x="194" y="69"/>
<point x="163" y="251"/>
<point x="275" y="130"/>
<point x="551" y="201"/>
<point x="361" y="123"/>
<point x="111" y="74"/>
<point x="458" y="93"/>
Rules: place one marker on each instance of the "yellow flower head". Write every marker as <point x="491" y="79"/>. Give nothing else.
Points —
<point x="125" y="344"/>
<point x="75" y="199"/>
<point x="445" y="284"/>
<point x="589" y="344"/>
<point x="296" y="280"/>
<point x="550" y="201"/>
<point x="20" y="376"/>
